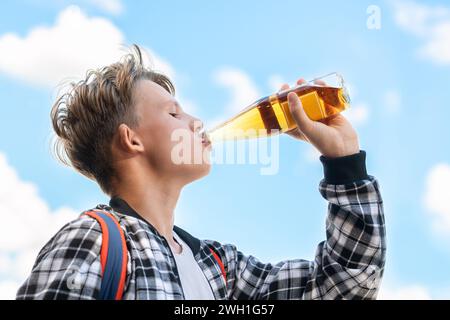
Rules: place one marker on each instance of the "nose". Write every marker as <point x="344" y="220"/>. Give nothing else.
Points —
<point x="196" y="125"/>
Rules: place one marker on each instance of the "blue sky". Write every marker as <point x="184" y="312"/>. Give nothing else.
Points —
<point x="221" y="56"/>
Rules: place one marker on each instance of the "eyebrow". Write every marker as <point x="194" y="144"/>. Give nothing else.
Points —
<point x="178" y="105"/>
<point x="170" y="103"/>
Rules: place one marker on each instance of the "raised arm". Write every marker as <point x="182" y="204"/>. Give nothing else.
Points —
<point x="348" y="264"/>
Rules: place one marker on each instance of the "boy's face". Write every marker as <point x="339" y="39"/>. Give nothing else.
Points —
<point x="161" y="123"/>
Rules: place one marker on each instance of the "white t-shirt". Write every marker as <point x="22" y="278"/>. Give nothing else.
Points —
<point x="193" y="280"/>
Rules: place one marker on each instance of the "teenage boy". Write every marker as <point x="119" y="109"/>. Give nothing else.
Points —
<point x="115" y="127"/>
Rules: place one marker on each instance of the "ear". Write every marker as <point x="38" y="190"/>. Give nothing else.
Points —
<point x="129" y="140"/>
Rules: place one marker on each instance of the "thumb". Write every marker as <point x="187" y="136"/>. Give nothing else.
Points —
<point x="304" y="123"/>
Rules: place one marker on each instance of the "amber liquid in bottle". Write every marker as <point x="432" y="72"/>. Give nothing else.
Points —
<point x="270" y="115"/>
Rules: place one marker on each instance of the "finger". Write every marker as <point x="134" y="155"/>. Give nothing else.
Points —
<point x="301" y="81"/>
<point x="304" y="123"/>
<point x="284" y="86"/>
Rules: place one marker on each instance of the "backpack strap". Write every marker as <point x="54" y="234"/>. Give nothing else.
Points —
<point x="113" y="255"/>
<point x="220" y="263"/>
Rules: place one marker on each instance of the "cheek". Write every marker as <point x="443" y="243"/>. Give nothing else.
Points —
<point x="162" y="128"/>
<point x="169" y="139"/>
<point x="157" y="139"/>
<point x="172" y="146"/>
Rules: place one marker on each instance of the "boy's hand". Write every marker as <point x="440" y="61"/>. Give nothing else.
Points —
<point x="333" y="137"/>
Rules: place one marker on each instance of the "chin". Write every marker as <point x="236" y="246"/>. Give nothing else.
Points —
<point x="203" y="170"/>
<point x="207" y="169"/>
<point x="198" y="171"/>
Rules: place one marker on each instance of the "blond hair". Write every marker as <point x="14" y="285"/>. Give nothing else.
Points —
<point x="86" y="118"/>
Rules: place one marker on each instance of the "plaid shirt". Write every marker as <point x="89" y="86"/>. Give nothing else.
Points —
<point x="348" y="264"/>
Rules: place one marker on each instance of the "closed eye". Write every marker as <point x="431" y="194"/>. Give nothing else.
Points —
<point x="173" y="114"/>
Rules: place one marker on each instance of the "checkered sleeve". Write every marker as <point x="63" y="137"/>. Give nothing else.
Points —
<point x="348" y="264"/>
<point x="68" y="266"/>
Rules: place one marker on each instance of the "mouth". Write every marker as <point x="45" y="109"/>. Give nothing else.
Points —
<point x="205" y="139"/>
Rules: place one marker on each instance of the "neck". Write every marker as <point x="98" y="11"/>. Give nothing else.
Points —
<point x="153" y="197"/>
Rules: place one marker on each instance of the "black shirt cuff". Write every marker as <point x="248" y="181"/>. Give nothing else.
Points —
<point x="346" y="169"/>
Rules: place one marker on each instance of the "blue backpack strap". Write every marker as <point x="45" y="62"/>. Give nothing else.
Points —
<point x="113" y="256"/>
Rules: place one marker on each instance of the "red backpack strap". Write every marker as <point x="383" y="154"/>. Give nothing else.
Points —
<point x="219" y="261"/>
<point x="113" y="255"/>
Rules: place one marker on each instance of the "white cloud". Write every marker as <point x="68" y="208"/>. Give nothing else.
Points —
<point x="358" y="111"/>
<point x="51" y="55"/>
<point x="417" y="18"/>
<point x="437" y="191"/>
<point x="242" y="88"/>
<point x="438" y="46"/>
<point x="114" y="7"/>
<point x="8" y="289"/>
<point x="412" y="292"/>
<point x="74" y="44"/>
<point x="429" y="23"/>
<point x="30" y="223"/>
<point x="275" y="82"/>
<point x="157" y="63"/>
<point x="243" y="91"/>
<point x="392" y="101"/>
<point x="357" y="114"/>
